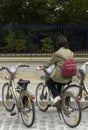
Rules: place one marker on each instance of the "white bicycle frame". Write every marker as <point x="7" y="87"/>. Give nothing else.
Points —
<point x="12" y="72"/>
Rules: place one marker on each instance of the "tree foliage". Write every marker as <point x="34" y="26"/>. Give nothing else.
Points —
<point x="14" y="44"/>
<point x="47" y="45"/>
<point x="40" y="12"/>
<point x="44" y="11"/>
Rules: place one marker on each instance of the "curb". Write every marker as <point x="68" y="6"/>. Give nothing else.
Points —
<point x="34" y="59"/>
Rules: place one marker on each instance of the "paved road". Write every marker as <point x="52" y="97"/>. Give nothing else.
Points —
<point x="43" y="121"/>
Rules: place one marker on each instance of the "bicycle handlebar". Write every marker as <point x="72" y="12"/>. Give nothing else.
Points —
<point x="45" y="71"/>
<point x="23" y="65"/>
<point x="3" y="68"/>
<point x="15" y="68"/>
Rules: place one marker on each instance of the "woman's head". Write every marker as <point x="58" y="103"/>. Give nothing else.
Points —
<point x="62" y="41"/>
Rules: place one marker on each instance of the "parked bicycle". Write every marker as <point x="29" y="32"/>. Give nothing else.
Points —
<point x="83" y="87"/>
<point x="17" y="96"/>
<point x="68" y="106"/>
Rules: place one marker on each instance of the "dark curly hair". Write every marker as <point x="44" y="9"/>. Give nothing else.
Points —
<point x="62" y="41"/>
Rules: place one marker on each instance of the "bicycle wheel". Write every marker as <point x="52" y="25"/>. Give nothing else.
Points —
<point x="75" y="89"/>
<point x="80" y="93"/>
<point x="71" y="110"/>
<point x="27" y="109"/>
<point x="7" y="97"/>
<point x="42" y="97"/>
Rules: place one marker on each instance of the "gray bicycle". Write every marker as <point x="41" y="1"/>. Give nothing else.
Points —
<point x="82" y="86"/>
<point x="68" y="106"/>
<point x="17" y="96"/>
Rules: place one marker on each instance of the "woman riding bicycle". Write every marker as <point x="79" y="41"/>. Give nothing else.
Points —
<point x="56" y="77"/>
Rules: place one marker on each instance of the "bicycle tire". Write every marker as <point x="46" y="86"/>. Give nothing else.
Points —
<point x="75" y="89"/>
<point x="83" y="97"/>
<point x="71" y="110"/>
<point x="7" y="97"/>
<point x="79" y="90"/>
<point x="41" y="103"/>
<point x="27" y="109"/>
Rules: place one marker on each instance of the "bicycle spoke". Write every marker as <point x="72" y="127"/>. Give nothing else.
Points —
<point x="28" y="110"/>
<point x="7" y="97"/>
<point x="42" y="97"/>
<point x="71" y="111"/>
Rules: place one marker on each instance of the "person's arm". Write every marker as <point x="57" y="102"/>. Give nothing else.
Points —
<point x="52" y="60"/>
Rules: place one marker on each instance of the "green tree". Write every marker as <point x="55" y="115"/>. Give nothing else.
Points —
<point x="47" y="45"/>
<point x="23" y="11"/>
<point x="14" y="44"/>
<point x="72" y="12"/>
<point x="10" y="42"/>
<point x="44" y="11"/>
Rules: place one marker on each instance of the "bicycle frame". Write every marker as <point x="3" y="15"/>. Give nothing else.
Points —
<point x="48" y="90"/>
<point x="16" y="99"/>
<point x="66" y="107"/>
<point x="18" y="95"/>
<point x="81" y="77"/>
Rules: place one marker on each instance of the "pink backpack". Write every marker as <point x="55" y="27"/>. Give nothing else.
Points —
<point x="69" y="68"/>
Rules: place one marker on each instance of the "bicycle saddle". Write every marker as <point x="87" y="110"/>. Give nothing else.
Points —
<point x="22" y="82"/>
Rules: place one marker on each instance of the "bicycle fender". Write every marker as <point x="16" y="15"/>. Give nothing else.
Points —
<point x="27" y="93"/>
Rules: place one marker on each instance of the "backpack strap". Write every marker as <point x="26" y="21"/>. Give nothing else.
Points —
<point x="55" y="55"/>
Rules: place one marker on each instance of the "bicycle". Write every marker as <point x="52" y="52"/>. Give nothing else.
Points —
<point x="68" y="106"/>
<point x="17" y="96"/>
<point x="83" y="90"/>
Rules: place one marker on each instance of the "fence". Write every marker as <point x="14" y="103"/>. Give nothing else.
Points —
<point x="27" y="39"/>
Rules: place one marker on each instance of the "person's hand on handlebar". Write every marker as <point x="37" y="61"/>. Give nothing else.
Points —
<point x="40" y="68"/>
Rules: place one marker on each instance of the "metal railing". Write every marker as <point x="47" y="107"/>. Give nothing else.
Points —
<point x="27" y="39"/>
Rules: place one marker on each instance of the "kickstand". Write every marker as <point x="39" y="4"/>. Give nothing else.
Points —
<point x="59" y="112"/>
<point x="18" y="114"/>
<point x="18" y="111"/>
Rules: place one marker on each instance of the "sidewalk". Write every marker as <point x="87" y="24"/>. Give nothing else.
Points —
<point x="48" y="120"/>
